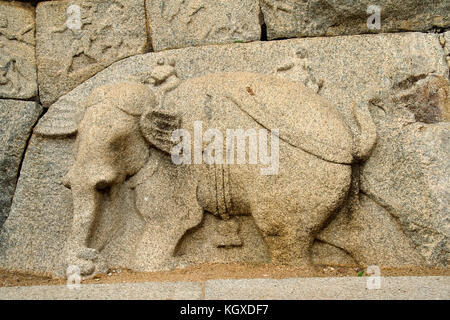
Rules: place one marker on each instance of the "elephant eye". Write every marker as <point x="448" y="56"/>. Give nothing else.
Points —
<point x="103" y="186"/>
<point x="117" y="144"/>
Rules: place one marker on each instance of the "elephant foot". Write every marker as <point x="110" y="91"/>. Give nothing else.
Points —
<point x="306" y="265"/>
<point x="87" y="262"/>
<point x="303" y="263"/>
<point x="156" y="264"/>
<point x="290" y="252"/>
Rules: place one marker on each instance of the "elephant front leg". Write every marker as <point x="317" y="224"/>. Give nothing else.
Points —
<point x="86" y="206"/>
<point x="155" y="251"/>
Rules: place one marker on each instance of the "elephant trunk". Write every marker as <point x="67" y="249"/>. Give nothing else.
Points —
<point x="86" y="204"/>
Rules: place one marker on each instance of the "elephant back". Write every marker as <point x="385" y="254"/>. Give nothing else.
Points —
<point x="304" y="119"/>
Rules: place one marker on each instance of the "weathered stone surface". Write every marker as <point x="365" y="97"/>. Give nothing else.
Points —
<point x="77" y="39"/>
<point x="33" y="239"/>
<point x="412" y="158"/>
<point x="345" y="288"/>
<point x="445" y="41"/>
<point x="298" y="18"/>
<point x="16" y="121"/>
<point x="209" y="240"/>
<point x="354" y="69"/>
<point x="427" y="98"/>
<point x="178" y="24"/>
<point x="407" y="173"/>
<point x="360" y="232"/>
<point x="325" y="254"/>
<point x="118" y="291"/>
<point x="18" y="77"/>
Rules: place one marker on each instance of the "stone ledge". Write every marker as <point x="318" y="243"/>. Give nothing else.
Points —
<point x="347" y="288"/>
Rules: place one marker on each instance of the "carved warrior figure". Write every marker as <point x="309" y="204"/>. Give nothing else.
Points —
<point x="87" y="33"/>
<point x="9" y="72"/>
<point x="125" y="134"/>
<point x="19" y="35"/>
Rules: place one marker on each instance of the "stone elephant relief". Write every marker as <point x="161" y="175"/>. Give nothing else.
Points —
<point x="126" y="135"/>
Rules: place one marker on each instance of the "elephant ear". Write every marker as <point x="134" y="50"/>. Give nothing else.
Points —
<point x="61" y="120"/>
<point x="157" y="127"/>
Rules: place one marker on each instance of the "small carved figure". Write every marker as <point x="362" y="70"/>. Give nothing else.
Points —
<point x="9" y="72"/>
<point x="299" y="69"/>
<point x="14" y="35"/>
<point x="164" y="77"/>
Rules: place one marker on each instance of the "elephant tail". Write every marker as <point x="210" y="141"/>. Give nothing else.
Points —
<point x="366" y="137"/>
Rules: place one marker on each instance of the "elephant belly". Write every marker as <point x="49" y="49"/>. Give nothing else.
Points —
<point x="304" y="186"/>
<point x="306" y="189"/>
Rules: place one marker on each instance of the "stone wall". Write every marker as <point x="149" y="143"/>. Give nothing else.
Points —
<point x="54" y="54"/>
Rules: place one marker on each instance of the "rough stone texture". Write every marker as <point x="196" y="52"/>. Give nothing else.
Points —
<point x="355" y="68"/>
<point x="67" y="56"/>
<point x="298" y="18"/>
<point x="326" y="254"/>
<point x="347" y="288"/>
<point x="178" y="23"/>
<point x="413" y="159"/>
<point x="120" y="291"/>
<point x="341" y="69"/>
<point x="34" y="239"/>
<point x="425" y="98"/>
<point x="16" y="121"/>
<point x="361" y="231"/>
<point x="445" y="42"/>
<point x="18" y="78"/>
<point x="245" y="243"/>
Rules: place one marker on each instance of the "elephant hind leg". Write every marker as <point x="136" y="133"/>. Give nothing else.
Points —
<point x="289" y="232"/>
<point x="288" y="241"/>
<point x="290" y="247"/>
